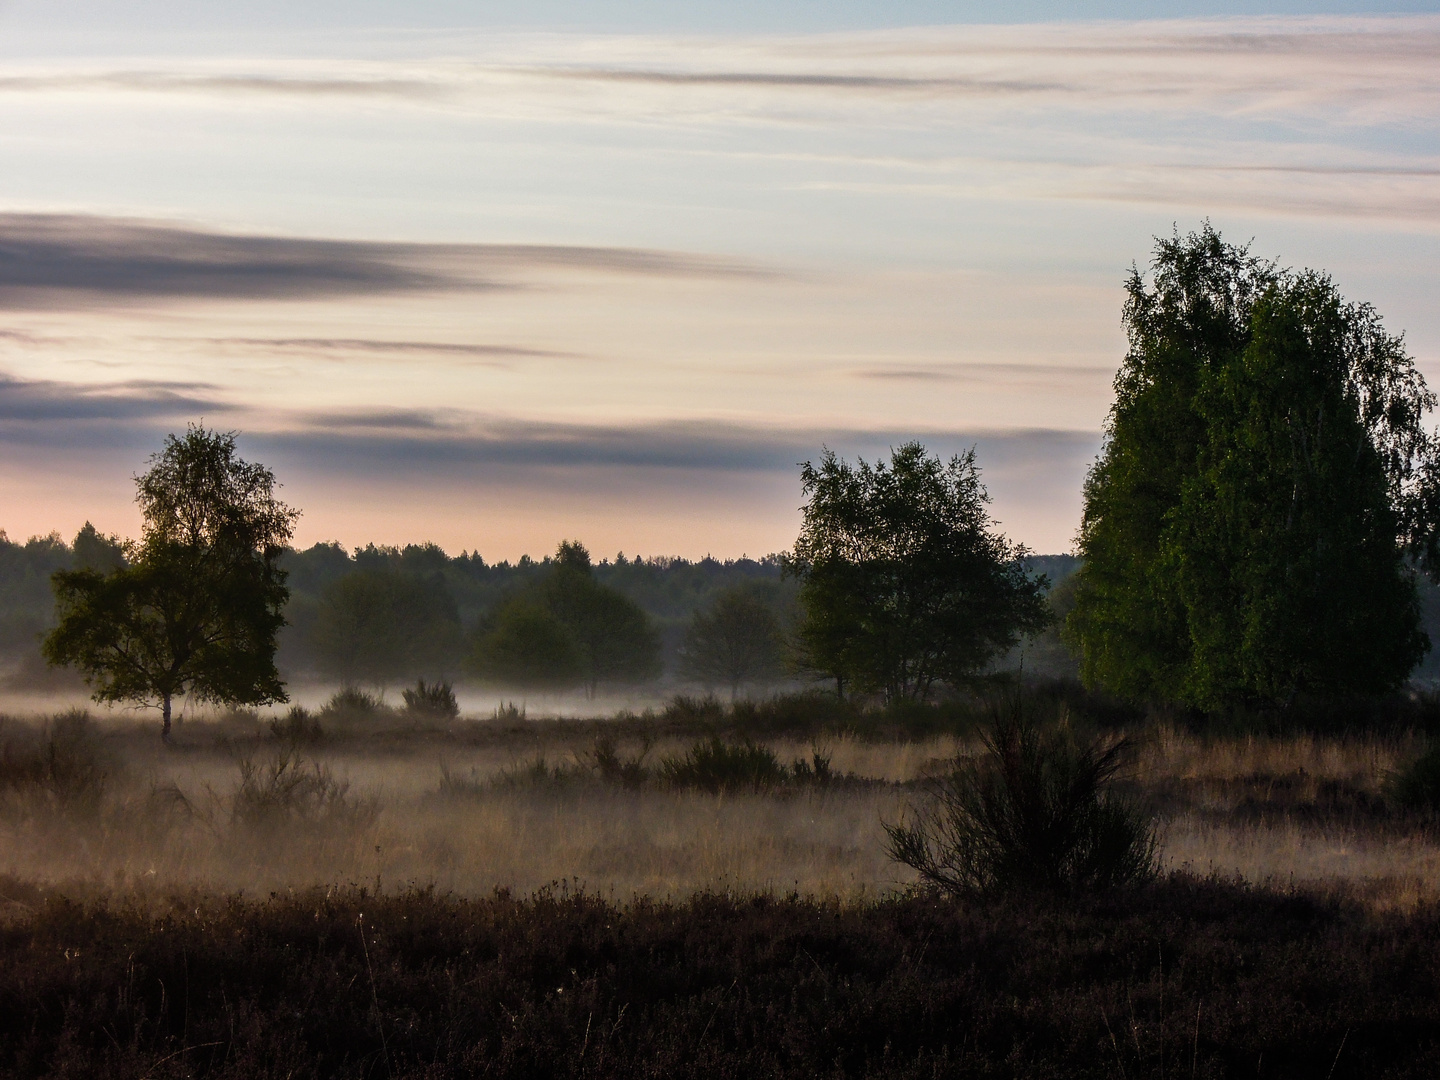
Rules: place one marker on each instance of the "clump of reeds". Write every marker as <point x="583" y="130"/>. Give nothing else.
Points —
<point x="432" y="701"/>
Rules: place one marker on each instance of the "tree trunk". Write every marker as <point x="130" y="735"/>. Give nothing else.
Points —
<point x="165" y="713"/>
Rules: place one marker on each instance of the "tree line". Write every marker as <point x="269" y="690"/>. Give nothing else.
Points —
<point x="1254" y="533"/>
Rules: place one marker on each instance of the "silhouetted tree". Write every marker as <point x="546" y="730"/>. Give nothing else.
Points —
<point x="567" y="613"/>
<point x="526" y="646"/>
<point x="1265" y="472"/>
<point x="904" y="582"/>
<point x="736" y="641"/>
<point x="197" y="606"/>
<point x="380" y="625"/>
<point x="95" y="551"/>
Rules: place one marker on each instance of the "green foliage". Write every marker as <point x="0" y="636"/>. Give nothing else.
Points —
<point x="197" y="607"/>
<point x="1264" y="472"/>
<point x="434" y="700"/>
<point x="903" y="581"/>
<point x="566" y="629"/>
<point x="1284" y="547"/>
<point x="736" y="641"/>
<point x="525" y="645"/>
<point x="1037" y="811"/>
<point x="379" y="625"/>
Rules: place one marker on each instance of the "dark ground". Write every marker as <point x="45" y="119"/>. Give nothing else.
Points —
<point x="1185" y="978"/>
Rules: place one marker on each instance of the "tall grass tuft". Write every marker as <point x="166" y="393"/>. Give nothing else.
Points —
<point x="433" y="701"/>
<point x="1037" y="811"/>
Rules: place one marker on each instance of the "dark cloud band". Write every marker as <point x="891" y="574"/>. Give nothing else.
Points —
<point x="397" y="442"/>
<point x="49" y="261"/>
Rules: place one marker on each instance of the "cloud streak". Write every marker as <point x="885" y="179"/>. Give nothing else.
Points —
<point x="342" y="349"/>
<point x="58" y="260"/>
<point x="54" y="404"/>
<point x="399" y="441"/>
<point x="1285" y="65"/>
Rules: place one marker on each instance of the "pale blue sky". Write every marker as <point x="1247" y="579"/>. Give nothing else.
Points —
<point x="610" y="270"/>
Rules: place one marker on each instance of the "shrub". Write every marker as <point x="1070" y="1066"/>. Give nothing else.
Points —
<point x="299" y="727"/>
<point x="62" y="761"/>
<point x="454" y="785"/>
<point x="686" y="711"/>
<point x="1036" y="811"/>
<point x="350" y="704"/>
<point x="1417" y="786"/>
<point x="434" y="700"/>
<point x="538" y="772"/>
<point x="288" y="789"/>
<point x="814" y="771"/>
<point x="614" y="769"/>
<point x="508" y="713"/>
<point x="716" y="766"/>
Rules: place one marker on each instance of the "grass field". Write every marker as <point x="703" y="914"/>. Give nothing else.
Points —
<point x="494" y="857"/>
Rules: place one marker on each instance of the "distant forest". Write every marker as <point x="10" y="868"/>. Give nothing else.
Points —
<point x="448" y="597"/>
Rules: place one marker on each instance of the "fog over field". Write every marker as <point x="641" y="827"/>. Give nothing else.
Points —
<point x="390" y="800"/>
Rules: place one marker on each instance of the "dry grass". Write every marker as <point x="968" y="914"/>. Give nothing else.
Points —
<point x="1304" y="811"/>
<point x="1168" y="753"/>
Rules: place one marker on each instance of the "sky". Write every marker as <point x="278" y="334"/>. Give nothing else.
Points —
<point x="494" y="275"/>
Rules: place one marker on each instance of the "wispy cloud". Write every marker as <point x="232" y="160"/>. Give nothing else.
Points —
<point x="341" y="349"/>
<point x="399" y="441"/>
<point x="409" y="439"/>
<point x="438" y="461"/>
<point x="268" y="85"/>
<point x="1278" y="64"/>
<point x="978" y="371"/>
<point x="54" y="404"/>
<point x="57" y="260"/>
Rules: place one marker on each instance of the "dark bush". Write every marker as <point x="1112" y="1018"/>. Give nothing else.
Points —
<point x="688" y="712"/>
<point x="716" y="766"/>
<point x="1036" y="811"/>
<point x="63" y="761"/>
<point x="298" y="727"/>
<point x="815" y="771"/>
<point x="611" y="767"/>
<point x="432" y="700"/>
<point x="351" y="704"/>
<point x="1417" y="786"/>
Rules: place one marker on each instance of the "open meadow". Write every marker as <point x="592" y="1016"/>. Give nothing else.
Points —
<point x="696" y="889"/>
<point x="377" y="796"/>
